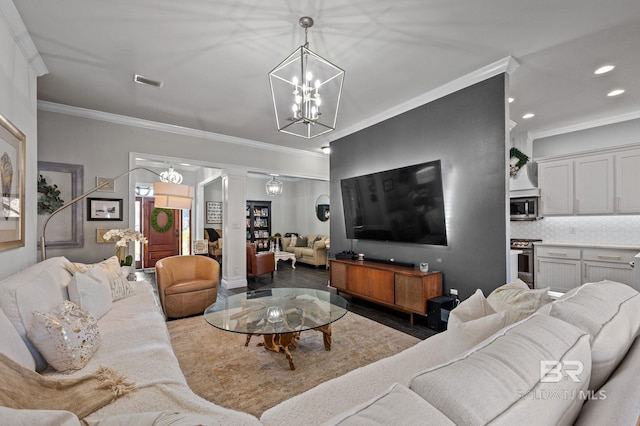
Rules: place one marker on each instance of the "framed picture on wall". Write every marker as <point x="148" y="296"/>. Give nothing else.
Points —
<point x="214" y="212"/>
<point x="12" y="164"/>
<point x="104" y="209"/>
<point x="110" y="185"/>
<point x="59" y="183"/>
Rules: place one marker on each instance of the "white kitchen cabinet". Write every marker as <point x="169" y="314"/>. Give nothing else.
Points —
<point x="557" y="268"/>
<point x="594" y="189"/>
<point x="608" y="264"/>
<point x="563" y="267"/>
<point x="556" y="187"/>
<point x="599" y="183"/>
<point x="627" y="164"/>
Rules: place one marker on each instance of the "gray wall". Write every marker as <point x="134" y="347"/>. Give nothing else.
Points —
<point x="103" y="149"/>
<point x="467" y="132"/>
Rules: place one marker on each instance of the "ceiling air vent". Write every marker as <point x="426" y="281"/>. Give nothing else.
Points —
<point x="144" y="80"/>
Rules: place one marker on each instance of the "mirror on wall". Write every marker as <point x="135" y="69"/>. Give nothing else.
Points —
<point x="322" y="208"/>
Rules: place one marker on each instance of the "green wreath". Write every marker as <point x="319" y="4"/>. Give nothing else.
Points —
<point x="154" y="220"/>
<point x="522" y="160"/>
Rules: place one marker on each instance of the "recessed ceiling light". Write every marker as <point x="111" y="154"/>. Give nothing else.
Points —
<point x="528" y="115"/>
<point x="511" y="100"/>
<point x="616" y="92"/>
<point x="604" y="69"/>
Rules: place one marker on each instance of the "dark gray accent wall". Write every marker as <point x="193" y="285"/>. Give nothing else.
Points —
<point x="466" y="130"/>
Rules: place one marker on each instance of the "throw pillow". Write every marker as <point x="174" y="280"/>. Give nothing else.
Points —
<point x="472" y="322"/>
<point x="294" y="240"/>
<point x="120" y="287"/>
<point x="518" y="300"/>
<point x="91" y="292"/>
<point x="66" y="337"/>
<point x="311" y="238"/>
<point x="302" y="242"/>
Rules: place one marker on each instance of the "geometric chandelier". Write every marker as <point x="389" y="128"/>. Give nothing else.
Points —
<point x="306" y="90"/>
<point x="274" y="186"/>
<point x="171" y="176"/>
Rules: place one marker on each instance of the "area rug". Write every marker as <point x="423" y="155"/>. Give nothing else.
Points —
<point x="219" y="368"/>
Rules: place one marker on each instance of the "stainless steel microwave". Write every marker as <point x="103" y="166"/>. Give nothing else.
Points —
<point x="524" y="208"/>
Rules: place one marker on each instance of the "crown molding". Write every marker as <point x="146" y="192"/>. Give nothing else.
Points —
<point x="505" y="65"/>
<point x="586" y="125"/>
<point x="167" y="128"/>
<point x="21" y="36"/>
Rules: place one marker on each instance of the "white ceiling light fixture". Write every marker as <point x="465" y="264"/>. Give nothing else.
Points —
<point x="528" y="115"/>
<point x="274" y="186"/>
<point x="171" y="176"/>
<point x="326" y="150"/>
<point x="615" y="92"/>
<point x="306" y="90"/>
<point x="604" y="69"/>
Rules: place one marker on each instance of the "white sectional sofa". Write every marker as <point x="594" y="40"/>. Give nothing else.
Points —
<point x="591" y="332"/>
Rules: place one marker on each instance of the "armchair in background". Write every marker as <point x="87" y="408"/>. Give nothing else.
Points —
<point x="214" y="239"/>
<point x="260" y="263"/>
<point x="187" y="285"/>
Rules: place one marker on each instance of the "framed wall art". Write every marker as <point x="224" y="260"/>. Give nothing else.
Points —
<point x="104" y="209"/>
<point x="100" y="236"/>
<point x="110" y="184"/>
<point x="58" y="184"/>
<point x="12" y="169"/>
<point x="214" y="212"/>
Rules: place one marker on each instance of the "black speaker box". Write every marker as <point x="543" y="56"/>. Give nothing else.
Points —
<point x="438" y="310"/>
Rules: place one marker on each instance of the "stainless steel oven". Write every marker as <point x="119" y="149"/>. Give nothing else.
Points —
<point x="525" y="259"/>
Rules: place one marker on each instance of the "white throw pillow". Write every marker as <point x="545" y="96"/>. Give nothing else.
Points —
<point x="470" y="323"/>
<point x="120" y="287"/>
<point x="23" y="417"/>
<point x="518" y="299"/>
<point x="66" y="337"/>
<point x="91" y="292"/>
<point x="293" y="241"/>
<point x="609" y="312"/>
<point x="12" y="344"/>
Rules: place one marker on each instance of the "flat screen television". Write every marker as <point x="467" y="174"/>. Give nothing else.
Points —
<point x="404" y="205"/>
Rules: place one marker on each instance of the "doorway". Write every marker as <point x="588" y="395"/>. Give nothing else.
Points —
<point x="166" y="230"/>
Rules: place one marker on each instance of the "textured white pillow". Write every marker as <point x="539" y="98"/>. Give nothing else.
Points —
<point x="609" y="312"/>
<point x="91" y="292"/>
<point x="14" y="416"/>
<point x="293" y="241"/>
<point x="67" y="337"/>
<point x="470" y="323"/>
<point x="120" y="287"/>
<point x="518" y="299"/>
<point x="12" y="344"/>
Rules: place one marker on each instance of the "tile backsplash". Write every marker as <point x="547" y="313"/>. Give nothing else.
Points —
<point x="623" y="230"/>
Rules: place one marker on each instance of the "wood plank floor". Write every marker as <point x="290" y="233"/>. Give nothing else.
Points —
<point x="305" y="276"/>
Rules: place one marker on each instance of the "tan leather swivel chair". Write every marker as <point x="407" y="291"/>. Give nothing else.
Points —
<point x="260" y="263"/>
<point x="187" y="285"/>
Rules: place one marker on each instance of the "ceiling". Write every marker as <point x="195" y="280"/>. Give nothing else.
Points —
<point x="214" y="57"/>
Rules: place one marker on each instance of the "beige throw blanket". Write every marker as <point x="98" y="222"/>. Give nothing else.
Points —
<point x="25" y="389"/>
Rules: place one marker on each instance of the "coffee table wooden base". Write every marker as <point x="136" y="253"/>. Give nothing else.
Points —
<point x="286" y="341"/>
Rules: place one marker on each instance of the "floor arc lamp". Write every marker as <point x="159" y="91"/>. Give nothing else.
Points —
<point x="168" y="195"/>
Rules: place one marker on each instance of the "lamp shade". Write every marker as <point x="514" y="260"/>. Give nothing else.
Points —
<point x="172" y="195"/>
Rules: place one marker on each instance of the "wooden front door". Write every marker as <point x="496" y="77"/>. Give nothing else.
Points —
<point x="161" y="244"/>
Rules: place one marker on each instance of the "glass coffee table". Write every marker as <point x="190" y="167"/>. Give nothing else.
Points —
<point x="279" y="315"/>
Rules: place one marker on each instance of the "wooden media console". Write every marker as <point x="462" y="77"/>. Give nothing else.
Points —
<point x="398" y="287"/>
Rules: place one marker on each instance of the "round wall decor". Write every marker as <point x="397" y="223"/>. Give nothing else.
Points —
<point x="154" y="219"/>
